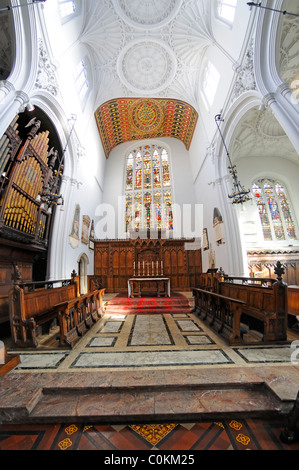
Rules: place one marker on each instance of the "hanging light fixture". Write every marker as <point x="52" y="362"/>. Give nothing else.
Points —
<point x="239" y="194"/>
<point x="259" y="5"/>
<point x="22" y="5"/>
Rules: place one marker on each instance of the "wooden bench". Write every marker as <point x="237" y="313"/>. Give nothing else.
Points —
<point x="77" y="315"/>
<point x="266" y="306"/>
<point x="265" y="303"/>
<point x="223" y="313"/>
<point x="33" y="305"/>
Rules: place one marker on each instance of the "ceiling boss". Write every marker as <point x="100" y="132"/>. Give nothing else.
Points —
<point x="147" y="115"/>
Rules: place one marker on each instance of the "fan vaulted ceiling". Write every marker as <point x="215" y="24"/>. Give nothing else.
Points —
<point x="151" y="49"/>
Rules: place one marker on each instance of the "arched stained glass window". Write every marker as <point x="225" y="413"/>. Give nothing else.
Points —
<point x="275" y="211"/>
<point x="148" y="189"/>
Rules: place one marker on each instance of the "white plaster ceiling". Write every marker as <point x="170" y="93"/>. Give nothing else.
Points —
<point x="259" y="134"/>
<point x="148" y="47"/>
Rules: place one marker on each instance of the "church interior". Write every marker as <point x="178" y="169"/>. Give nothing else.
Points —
<point x="149" y="224"/>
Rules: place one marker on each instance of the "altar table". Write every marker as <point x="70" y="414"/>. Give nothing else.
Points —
<point x="135" y="285"/>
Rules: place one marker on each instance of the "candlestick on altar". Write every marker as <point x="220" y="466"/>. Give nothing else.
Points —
<point x="138" y="268"/>
<point x="161" y="268"/>
<point x="134" y="268"/>
<point x="143" y="268"/>
<point x="148" y="269"/>
<point x="157" y="268"/>
<point x="153" y="272"/>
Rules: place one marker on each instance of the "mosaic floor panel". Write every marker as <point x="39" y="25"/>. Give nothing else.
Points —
<point x="230" y="434"/>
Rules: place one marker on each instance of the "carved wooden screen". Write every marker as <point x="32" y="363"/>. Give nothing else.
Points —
<point x="114" y="262"/>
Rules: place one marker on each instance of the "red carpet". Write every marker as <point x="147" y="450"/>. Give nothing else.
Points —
<point x="121" y="304"/>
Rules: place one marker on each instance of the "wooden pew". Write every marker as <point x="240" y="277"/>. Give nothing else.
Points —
<point x="265" y="302"/>
<point x="76" y="316"/>
<point x="32" y="305"/>
<point x="223" y="313"/>
<point x="266" y="308"/>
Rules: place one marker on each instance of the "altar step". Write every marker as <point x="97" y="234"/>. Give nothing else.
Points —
<point x="143" y="404"/>
<point x="176" y="304"/>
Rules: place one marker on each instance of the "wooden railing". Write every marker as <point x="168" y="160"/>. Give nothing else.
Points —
<point x="76" y="316"/>
<point x="223" y="313"/>
<point x="265" y="301"/>
<point x="249" y="281"/>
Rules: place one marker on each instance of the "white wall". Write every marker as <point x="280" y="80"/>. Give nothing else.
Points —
<point x="84" y="159"/>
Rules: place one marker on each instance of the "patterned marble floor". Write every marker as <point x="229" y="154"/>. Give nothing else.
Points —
<point x="123" y="342"/>
<point x="149" y="368"/>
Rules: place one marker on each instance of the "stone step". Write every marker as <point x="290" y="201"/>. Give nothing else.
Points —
<point x="153" y="405"/>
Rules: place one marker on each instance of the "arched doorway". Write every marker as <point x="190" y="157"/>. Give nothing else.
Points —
<point x="82" y="271"/>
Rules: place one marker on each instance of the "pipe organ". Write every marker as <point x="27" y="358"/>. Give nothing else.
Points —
<point x="25" y="173"/>
<point x="28" y="168"/>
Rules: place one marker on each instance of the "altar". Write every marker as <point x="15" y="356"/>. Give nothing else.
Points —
<point x="161" y="285"/>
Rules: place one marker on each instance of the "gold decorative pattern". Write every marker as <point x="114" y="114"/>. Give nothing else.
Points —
<point x="243" y="439"/>
<point x="130" y="119"/>
<point x="65" y="444"/>
<point x="235" y="425"/>
<point x="153" y="433"/>
<point x="71" y="429"/>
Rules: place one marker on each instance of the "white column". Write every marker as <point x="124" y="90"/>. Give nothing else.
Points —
<point x="11" y="109"/>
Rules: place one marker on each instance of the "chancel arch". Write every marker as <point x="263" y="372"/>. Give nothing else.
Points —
<point x="258" y="147"/>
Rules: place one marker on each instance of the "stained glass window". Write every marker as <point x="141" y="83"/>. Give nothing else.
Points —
<point x="275" y="211"/>
<point x="148" y="189"/>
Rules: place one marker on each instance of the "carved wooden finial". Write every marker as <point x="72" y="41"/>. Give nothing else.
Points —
<point x="74" y="274"/>
<point x="16" y="275"/>
<point x="279" y="270"/>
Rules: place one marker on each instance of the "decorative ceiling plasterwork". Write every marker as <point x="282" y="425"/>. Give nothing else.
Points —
<point x="147" y="66"/>
<point x="176" y="34"/>
<point x="128" y="119"/>
<point x="260" y="134"/>
<point x="289" y="50"/>
<point x="147" y="13"/>
<point x="46" y="78"/>
<point x="245" y="80"/>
